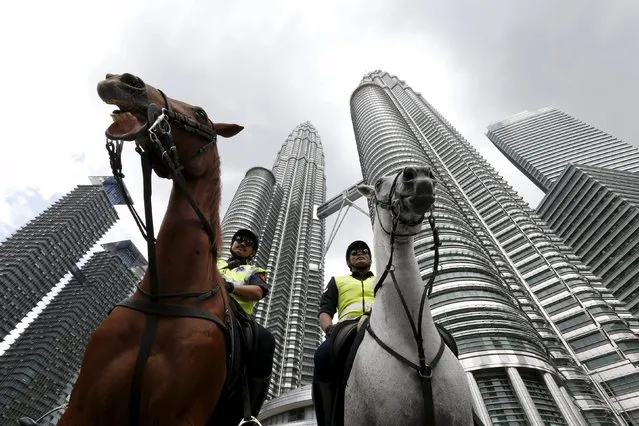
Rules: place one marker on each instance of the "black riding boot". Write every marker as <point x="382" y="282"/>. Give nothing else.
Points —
<point x="257" y="393"/>
<point x="324" y="400"/>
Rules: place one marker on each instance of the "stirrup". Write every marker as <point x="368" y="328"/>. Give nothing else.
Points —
<point x="250" y="420"/>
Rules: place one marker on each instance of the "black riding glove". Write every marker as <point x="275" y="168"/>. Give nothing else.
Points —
<point x="230" y="287"/>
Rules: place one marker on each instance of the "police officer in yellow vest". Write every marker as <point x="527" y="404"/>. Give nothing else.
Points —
<point x="350" y="296"/>
<point x="246" y="285"/>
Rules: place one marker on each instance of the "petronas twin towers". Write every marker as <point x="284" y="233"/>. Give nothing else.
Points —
<point x="542" y="340"/>
<point x="279" y="207"/>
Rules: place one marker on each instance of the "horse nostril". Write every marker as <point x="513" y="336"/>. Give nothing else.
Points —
<point x="131" y="80"/>
<point x="409" y="173"/>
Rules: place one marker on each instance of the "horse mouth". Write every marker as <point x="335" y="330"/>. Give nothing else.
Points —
<point x="420" y="203"/>
<point x="129" y="94"/>
<point x="126" y="125"/>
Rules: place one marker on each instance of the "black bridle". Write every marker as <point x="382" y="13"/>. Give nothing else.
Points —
<point x="161" y="142"/>
<point x="424" y="369"/>
<point x="161" y="138"/>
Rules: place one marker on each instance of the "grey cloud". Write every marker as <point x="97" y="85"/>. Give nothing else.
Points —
<point x="270" y="69"/>
<point x="580" y="56"/>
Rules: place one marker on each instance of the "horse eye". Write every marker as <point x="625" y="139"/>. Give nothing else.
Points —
<point x="201" y="113"/>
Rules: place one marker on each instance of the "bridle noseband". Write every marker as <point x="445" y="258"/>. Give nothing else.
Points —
<point x="164" y="141"/>
<point x="424" y="369"/>
<point x="394" y="208"/>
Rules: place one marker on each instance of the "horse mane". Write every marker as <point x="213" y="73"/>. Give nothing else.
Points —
<point x="214" y="176"/>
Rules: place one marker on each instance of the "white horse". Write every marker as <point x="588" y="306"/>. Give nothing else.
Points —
<point x="388" y="384"/>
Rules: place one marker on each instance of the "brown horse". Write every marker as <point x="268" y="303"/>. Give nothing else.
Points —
<point x="185" y="371"/>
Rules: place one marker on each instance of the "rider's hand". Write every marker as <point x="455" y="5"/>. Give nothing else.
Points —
<point x="329" y="329"/>
<point x="229" y="287"/>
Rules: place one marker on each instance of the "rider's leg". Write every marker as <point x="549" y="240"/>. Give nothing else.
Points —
<point x="259" y="368"/>
<point x="323" y="390"/>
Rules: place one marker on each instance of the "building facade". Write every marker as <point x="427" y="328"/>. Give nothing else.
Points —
<point x="255" y="206"/>
<point x="596" y="212"/>
<point x="543" y="142"/>
<point x="36" y="257"/>
<point x="279" y="206"/>
<point x="113" y="189"/>
<point x="533" y="328"/>
<point x="38" y="370"/>
<point x="293" y="408"/>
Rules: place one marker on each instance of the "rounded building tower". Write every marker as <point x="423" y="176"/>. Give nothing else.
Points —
<point x="507" y="345"/>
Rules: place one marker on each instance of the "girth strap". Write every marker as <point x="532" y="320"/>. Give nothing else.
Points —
<point x="425" y="374"/>
<point x="153" y="310"/>
<point x="138" y="371"/>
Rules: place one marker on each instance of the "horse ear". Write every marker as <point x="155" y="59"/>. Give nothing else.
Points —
<point x="366" y="190"/>
<point x="227" y="130"/>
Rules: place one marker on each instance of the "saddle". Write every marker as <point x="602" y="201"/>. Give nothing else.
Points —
<point x="241" y="347"/>
<point x="344" y="346"/>
<point x="243" y="344"/>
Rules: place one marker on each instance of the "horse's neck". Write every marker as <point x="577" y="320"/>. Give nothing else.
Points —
<point x="389" y="319"/>
<point x="186" y="261"/>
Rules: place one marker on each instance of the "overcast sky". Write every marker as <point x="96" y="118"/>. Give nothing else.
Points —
<point x="272" y="65"/>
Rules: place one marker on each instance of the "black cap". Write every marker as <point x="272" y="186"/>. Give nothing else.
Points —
<point x="246" y="233"/>
<point x="357" y="244"/>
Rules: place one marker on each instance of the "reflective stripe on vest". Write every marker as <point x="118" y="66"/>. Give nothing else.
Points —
<point x="354" y="296"/>
<point x="238" y="277"/>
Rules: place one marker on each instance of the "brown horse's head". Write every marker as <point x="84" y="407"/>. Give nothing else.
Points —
<point x="130" y="122"/>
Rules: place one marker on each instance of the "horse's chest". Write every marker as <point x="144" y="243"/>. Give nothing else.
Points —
<point x="388" y="391"/>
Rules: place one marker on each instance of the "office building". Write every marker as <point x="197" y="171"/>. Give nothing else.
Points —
<point x="36" y="257"/>
<point x="540" y="338"/>
<point x="38" y="370"/>
<point x="279" y="206"/>
<point x="543" y="142"/>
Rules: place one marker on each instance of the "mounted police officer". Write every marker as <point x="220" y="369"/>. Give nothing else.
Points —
<point x="351" y="296"/>
<point x="246" y="285"/>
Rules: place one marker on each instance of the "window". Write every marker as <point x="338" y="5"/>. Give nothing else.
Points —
<point x="622" y="385"/>
<point x="588" y="342"/>
<point x="296" y="414"/>
<point x="573" y="323"/>
<point x="604" y="360"/>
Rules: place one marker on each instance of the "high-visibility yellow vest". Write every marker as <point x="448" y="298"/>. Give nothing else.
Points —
<point x="355" y="297"/>
<point x="238" y="277"/>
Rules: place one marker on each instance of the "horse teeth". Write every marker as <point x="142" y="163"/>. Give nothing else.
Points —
<point x="115" y="115"/>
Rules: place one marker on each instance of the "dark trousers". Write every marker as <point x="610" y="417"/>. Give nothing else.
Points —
<point x="260" y="363"/>
<point x="323" y="371"/>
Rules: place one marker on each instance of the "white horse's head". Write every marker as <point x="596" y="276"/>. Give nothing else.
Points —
<point x="403" y="199"/>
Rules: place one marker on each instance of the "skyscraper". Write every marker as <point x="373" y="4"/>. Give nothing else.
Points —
<point x="130" y="256"/>
<point x="38" y="255"/>
<point x="543" y="142"/>
<point x="280" y="208"/>
<point x="37" y="370"/>
<point x="255" y="206"/>
<point x="538" y="337"/>
<point x="596" y="212"/>
<point x="112" y="189"/>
